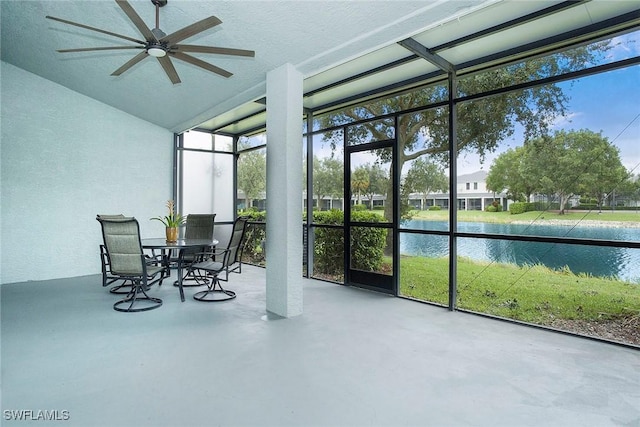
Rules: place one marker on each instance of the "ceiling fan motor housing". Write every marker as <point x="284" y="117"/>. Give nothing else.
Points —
<point x="158" y="33"/>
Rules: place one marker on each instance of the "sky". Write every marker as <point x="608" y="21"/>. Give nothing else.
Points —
<point x="614" y="111"/>
<point x="607" y="103"/>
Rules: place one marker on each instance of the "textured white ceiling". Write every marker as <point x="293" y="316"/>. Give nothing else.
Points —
<point x="311" y="35"/>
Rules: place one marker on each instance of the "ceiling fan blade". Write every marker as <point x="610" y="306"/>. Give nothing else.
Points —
<point x="133" y="61"/>
<point x="198" y="63"/>
<point x="191" y="30"/>
<point x="86" y="27"/>
<point x="212" y="49"/>
<point x="168" y="67"/>
<point x="89" y="49"/>
<point x="137" y="21"/>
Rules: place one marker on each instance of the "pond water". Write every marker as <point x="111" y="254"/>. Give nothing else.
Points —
<point x="597" y="261"/>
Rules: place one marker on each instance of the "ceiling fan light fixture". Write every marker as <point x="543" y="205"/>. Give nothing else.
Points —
<point x="157" y="51"/>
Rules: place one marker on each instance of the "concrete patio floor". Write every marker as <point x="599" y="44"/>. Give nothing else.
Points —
<point x="354" y="358"/>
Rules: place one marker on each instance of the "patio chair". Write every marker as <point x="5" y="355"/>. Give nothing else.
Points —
<point x="107" y="277"/>
<point x="121" y="237"/>
<point x="214" y="263"/>
<point x="198" y="226"/>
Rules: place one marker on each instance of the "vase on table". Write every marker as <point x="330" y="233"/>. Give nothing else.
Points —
<point x="172" y="234"/>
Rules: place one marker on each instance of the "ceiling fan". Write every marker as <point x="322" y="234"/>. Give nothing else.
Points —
<point x="161" y="46"/>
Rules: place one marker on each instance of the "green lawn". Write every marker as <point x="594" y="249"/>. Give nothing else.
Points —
<point x="532" y="294"/>
<point x="538" y="216"/>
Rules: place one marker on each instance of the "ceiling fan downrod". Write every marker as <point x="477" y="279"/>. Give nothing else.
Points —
<point x="158" y="4"/>
<point x="157" y="49"/>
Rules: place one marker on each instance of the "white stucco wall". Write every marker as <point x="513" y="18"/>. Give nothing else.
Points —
<point x="65" y="158"/>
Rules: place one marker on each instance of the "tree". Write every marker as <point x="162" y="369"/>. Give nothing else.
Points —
<point x="605" y="172"/>
<point x="634" y="189"/>
<point x="629" y="190"/>
<point x="359" y="182"/>
<point x="555" y="167"/>
<point x="504" y="173"/>
<point x="328" y="178"/>
<point x="252" y="172"/>
<point x="482" y="123"/>
<point x="426" y="177"/>
<point x="576" y="162"/>
<point x="378" y="182"/>
<point x="511" y="172"/>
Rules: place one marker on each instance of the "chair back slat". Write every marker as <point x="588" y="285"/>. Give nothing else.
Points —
<point x="122" y="241"/>
<point x="117" y="216"/>
<point x="235" y="242"/>
<point x="199" y="226"/>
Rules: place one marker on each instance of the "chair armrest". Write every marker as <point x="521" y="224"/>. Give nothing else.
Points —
<point x="153" y="260"/>
<point x="211" y="254"/>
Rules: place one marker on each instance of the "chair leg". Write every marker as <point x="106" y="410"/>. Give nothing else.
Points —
<point x="165" y="263"/>
<point x="215" y="293"/>
<point x="125" y="288"/>
<point x="193" y="276"/>
<point x="144" y="301"/>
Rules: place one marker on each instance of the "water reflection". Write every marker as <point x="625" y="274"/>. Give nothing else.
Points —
<point x="594" y="260"/>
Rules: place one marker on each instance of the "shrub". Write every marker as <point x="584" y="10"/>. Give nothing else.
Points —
<point x="521" y="207"/>
<point x="368" y="246"/>
<point x="328" y="253"/>
<point x="544" y="206"/>
<point x="359" y="207"/>
<point x="588" y="201"/>
<point x="253" y="215"/>
<point x="495" y="206"/>
<point x="517" y="208"/>
<point x="367" y="249"/>
<point x="586" y="207"/>
<point x="254" y="236"/>
<point x="435" y="208"/>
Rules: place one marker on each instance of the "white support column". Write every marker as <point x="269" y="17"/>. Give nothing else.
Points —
<point x="284" y="190"/>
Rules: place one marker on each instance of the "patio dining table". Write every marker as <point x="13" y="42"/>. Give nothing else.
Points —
<point x="180" y="245"/>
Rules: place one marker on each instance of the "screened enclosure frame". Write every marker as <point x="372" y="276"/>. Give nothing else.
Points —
<point x="450" y="74"/>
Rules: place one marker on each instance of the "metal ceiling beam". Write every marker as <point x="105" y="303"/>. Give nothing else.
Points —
<point x="424" y="52"/>
<point x="364" y="74"/>
<point x="629" y="19"/>
<point x="527" y="18"/>
<point x="515" y="22"/>
<point x="430" y="55"/>
<point x="217" y="129"/>
<point x="597" y="30"/>
<point x="510" y="24"/>
<point x="380" y="91"/>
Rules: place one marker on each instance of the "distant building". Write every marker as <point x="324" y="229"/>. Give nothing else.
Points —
<point x="471" y="188"/>
<point x="472" y="194"/>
